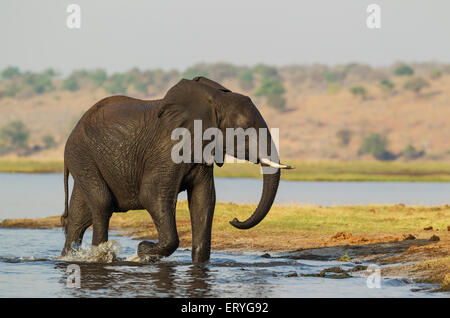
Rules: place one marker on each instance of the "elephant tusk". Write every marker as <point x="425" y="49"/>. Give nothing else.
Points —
<point x="274" y="164"/>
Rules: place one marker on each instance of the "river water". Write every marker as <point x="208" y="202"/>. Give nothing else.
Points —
<point x="39" y="195"/>
<point x="29" y="268"/>
<point x="29" y="264"/>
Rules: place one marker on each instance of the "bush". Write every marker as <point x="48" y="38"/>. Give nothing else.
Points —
<point x="270" y="87"/>
<point x="140" y="87"/>
<point x="10" y="72"/>
<point x="49" y="141"/>
<point x="116" y="84"/>
<point x="98" y="77"/>
<point x="40" y="83"/>
<point x="246" y="79"/>
<point x="411" y="153"/>
<point x="344" y="136"/>
<point x="376" y="145"/>
<point x="404" y="70"/>
<point x="359" y="91"/>
<point x="387" y="85"/>
<point x="266" y="71"/>
<point x="273" y="90"/>
<point x="71" y="84"/>
<point x="14" y="136"/>
<point x="332" y="77"/>
<point x="436" y="74"/>
<point x="416" y="84"/>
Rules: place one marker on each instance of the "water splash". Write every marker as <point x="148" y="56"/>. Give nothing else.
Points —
<point x="106" y="252"/>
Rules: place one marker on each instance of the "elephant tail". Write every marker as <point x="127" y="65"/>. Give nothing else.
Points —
<point x="66" y="203"/>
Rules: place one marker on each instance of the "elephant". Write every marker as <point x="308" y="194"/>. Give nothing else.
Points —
<point x="119" y="156"/>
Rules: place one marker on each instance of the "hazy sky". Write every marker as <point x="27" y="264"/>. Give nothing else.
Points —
<point x="119" y="35"/>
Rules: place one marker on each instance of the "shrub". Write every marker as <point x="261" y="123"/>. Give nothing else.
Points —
<point x="332" y="77"/>
<point x="140" y="87"/>
<point x="98" y="77"/>
<point x="436" y="74"/>
<point x="246" y="79"/>
<point x="116" y="84"/>
<point x="387" y="85"/>
<point x="266" y="71"/>
<point x="273" y="90"/>
<point x="10" y="72"/>
<point x="49" y="141"/>
<point x="359" y="91"/>
<point x="270" y="87"/>
<point x="14" y="136"/>
<point x="412" y="153"/>
<point x="404" y="70"/>
<point x="344" y="136"/>
<point x="416" y="84"/>
<point x="375" y="145"/>
<point x="71" y="84"/>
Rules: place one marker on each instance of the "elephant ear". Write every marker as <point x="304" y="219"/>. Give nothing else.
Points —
<point x="197" y="99"/>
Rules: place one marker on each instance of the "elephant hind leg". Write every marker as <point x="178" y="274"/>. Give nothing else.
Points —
<point x="77" y="221"/>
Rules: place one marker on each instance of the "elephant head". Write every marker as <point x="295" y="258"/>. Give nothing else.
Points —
<point x="218" y="107"/>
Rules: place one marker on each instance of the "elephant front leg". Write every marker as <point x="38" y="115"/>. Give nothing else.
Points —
<point x="202" y="200"/>
<point x="163" y="215"/>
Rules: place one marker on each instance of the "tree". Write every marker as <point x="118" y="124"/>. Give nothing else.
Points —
<point x="98" y="77"/>
<point x="140" y="87"/>
<point x="273" y="90"/>
<point x="71" y="84"/>
<point x="246" y="79"/>
<point x="387" y="85"/>
<point x="116" y="84"/>
<point x="344" y="136"/>
<point x="376" y="145"/>
<point x="359" y="91"/>
<point x="49" y="141"/>
<point x="10" y="72"/>
<point x="404" y="70"/>
<point x="14" y="136"/>
<point x="416" y="84"/>
<point x="412" y="153"/>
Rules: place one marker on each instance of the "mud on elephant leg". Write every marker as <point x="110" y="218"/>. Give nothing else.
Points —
<point x="77" y="221"/>
<point x="163" y="215"/>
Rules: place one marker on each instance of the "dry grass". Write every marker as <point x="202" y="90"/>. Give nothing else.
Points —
<point x="307" y="130"/>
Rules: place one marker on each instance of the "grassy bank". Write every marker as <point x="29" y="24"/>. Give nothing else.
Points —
<point x="304" y="170"/>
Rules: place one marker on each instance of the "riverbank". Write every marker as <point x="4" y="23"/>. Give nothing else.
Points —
<point x="304" y="170"/>
<point x="413" y="240"/>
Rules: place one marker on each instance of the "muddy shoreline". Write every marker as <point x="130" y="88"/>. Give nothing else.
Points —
<point x="422" y="258"/>
<point x="403" y="245"/>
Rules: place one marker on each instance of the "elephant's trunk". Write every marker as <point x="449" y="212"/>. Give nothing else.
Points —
<point x="270" y="188"/>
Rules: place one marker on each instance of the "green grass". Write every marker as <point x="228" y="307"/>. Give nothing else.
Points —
<point x="289" y="220"/>
<point x="348" y="171"/>
<point x="304" y="170"/>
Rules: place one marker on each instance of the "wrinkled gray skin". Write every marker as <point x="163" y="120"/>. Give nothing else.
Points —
<point x="119" y="155"/>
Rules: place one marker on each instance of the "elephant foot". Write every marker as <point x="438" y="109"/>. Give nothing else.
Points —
<point x="147" y="251"/>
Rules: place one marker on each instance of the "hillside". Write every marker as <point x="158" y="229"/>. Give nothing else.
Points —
<point x="326" y="113"/>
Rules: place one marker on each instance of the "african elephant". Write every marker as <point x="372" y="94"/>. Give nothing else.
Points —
<point x="119" y="155"/>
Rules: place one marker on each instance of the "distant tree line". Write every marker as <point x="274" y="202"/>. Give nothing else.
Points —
<point x="264" y="81"/>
